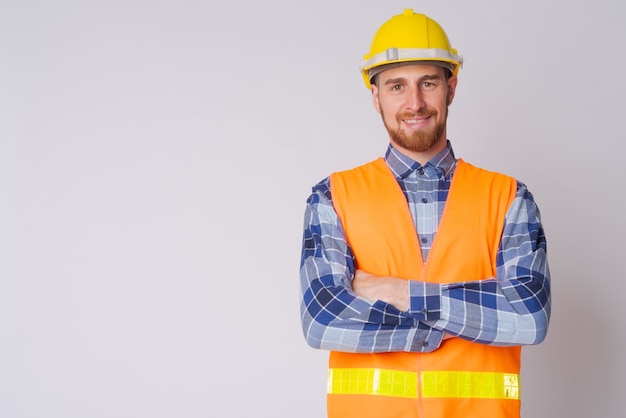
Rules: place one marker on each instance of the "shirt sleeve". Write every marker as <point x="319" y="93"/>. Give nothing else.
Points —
<point x="333" y="317"/>
<point x="511" y="309"/>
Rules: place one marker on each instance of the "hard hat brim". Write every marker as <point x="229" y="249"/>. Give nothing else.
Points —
<point x="370" y="66"/>
<point x="373" y="72"/>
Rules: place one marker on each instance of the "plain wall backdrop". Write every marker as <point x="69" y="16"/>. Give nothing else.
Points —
<point x="155" y="159"/>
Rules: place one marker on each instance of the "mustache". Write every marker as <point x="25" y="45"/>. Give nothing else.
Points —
<point x="422" y="113"/>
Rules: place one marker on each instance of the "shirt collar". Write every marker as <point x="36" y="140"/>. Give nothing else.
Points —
<point x="401" y="165"/>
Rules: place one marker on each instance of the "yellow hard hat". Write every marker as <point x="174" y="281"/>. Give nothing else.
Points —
<point x="409" y="37"/>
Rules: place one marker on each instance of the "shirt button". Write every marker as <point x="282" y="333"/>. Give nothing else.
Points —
<point x="424" y="200"/>
<point x="425" y="344"/>
<point x="424" y="240"/>
<point x="420" y="171"/>
<point x="424" y="311"/>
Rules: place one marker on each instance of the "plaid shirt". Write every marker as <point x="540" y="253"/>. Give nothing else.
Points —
<point x="512" y="309"/>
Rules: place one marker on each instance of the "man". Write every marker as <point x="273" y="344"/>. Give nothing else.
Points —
<point x="423" y="274"/>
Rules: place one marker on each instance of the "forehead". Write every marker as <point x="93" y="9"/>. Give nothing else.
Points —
<point x="410" y="71"/>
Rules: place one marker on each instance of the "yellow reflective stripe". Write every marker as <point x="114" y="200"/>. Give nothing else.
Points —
<point x="470" y="385"/>
<point x="372" y="382"/>
<point x="435" y="384"/>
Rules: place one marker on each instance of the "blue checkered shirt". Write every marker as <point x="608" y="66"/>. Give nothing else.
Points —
<point x="512" y="309"/>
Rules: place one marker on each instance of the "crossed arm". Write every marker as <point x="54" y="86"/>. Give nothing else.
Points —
<point x="392" y="290"/>
<point x="345" y="309"/>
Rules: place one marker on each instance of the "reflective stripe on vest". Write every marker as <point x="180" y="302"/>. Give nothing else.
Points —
<point x="435" y="384"/>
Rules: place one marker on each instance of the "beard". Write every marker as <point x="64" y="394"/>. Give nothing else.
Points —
<point x="419" y="140"/>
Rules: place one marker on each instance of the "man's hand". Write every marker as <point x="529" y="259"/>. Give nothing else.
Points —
<point x="389" y="289"/>
<point x="386" y="288"/>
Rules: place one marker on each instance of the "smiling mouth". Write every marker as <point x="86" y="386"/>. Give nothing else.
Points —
<point x="415" y="121"/>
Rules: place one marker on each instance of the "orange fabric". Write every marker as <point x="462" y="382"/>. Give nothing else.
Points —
<point x="380" y="230"/>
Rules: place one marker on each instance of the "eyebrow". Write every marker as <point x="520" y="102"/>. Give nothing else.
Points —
<point x="423" y="78"/>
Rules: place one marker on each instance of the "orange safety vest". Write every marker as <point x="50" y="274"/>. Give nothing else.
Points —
<point x="460" y="378"/>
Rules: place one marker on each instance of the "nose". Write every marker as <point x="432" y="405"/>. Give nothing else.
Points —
<point x="415" y="99"/>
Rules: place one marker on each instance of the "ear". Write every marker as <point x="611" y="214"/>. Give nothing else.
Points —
<point x="375" y="98"/>
<point x="452" y="83"/>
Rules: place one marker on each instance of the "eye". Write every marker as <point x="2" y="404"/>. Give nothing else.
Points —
<point x="428" y="85"/>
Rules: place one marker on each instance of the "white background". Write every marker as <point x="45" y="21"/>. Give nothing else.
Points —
<point x="155" y="158"/>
